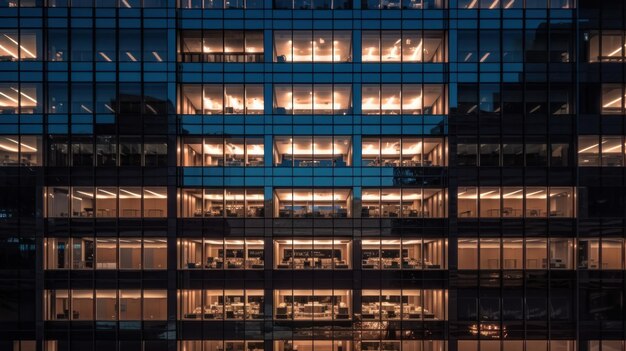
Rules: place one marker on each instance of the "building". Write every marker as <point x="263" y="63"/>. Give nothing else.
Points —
<point x="326" y="175"/>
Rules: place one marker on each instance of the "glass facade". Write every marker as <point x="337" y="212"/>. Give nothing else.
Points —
<point x="327" y="175"/>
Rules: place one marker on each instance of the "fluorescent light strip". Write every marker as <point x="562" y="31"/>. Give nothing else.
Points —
<point x="130" y="193"/>
<point x="485" y="56"/>
<point x="126" y="4"/>
<point x="161" y="196"/>
<point x="84" y="193"/>
<point x="494" y="4"/>
<point x="588" y="148"/>
<point x="21" y="144"/>
<point x="85" y="108"/>
<point x="508" y="6"/>
<point x="515" y="192"/>
<point x="157" y="56"/>
<point x="535" y="193"/>
<point x="613" y="102"/>
<point x="472" y="4"/>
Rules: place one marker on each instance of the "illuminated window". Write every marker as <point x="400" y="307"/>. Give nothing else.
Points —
<point x="606" y="46"/>
<point x="601" y="253"/>
<point x="211" y="99"/>
<point x="222" y="152"/>
<point x="313" y="304"/>
<point x="220" y="304"/>
<point x="605" y="151"/>
<point x="494" y="202"/>
<point x="310" y="203"/>
<point x="221" y="46"/>
<point x="319" y="99"/>
<point x="22" y="150"/>
<point x="221" y="254"/>
<point x="219" y="4"/>
<point x="310" y="345"/>
<point x="407" y="304"/>
<point x="403" y="46"/>
<point x="516" y="253"/>
<point x="312" y="254"/>
<point x="516" y="4"/>
<point x="312" y="46"/>
<point x="403" y="203"/>
<point x="403" y="254"/>
<point x="236" y="203"/>
<point x="318" y="151"/>
<point x="403" y="152"/>
<point x="25" y="46"/>
<point x="106" y="202"/>
<point x="128" y="305"/>
<point x="413" y="99"/>
<point x="24" y="98"/>
<point x="105" y="253"/>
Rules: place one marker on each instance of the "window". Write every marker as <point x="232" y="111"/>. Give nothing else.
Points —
<point x="222" y="152"/>
<point x="87" y="202"/>
<point x="211" y="345"/>
<point x="105" y="253"/>
<point x="601" y="253"/>
<point x="133" y="305"/>
<point x="211" y="99"/>
<point x="410" y="99"/>
<point x="221" y="254"/>
<point x="313" y="254"/>
<point x="313" y="304"/>
<point x="404" y="304"/>
<point x="220" y="46"/>
<point x="312" y="5"/>
<point x="319" y="99"/>
<point x="403" y="152"/>
<point x="514" y="345"/>
<point x="22" y="150"/>
<point x="20" y="98"/>
<point x="309" y="203"/>
<point x="107" y="151"/>
<point x="237" y="203"/>
<point x="312" y="46"/>
<point x="515" y="253"/>
<point x="606" y="46"/>
<point x="612" y="99"/>
<point x="404" y="4"/>
<point x="403" y="203"/>
<point x="307" y="151"/>
<point x="318" y="345"/>
<point x="22" y="45"/>
<point x="596" y="151"/>
<point x="220" y="304"/>
<point x="406" y="254"/>
<point x="218" y="4"/>
<point x="505" y="202"/>
<point x="515" y="4"/>
<point x="403" y="46"/>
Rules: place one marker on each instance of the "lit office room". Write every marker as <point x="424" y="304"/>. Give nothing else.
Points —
<point x="312" y="254"/>
<point x="302" y="304"/>
<point x="312" y="151"/>
<point x="220" y="253"/>
<point x="405" y="253"/>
